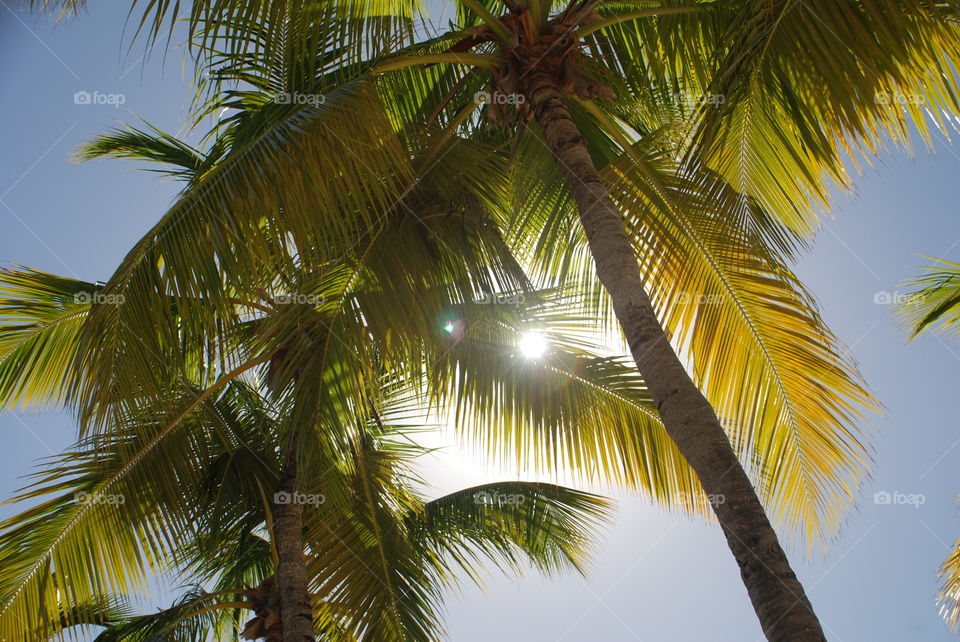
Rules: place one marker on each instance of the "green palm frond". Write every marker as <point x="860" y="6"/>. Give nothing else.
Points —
<point x="194" y="616"/>
<point x="78" y="620"/>
<point x="236" y="24"/>
<point x="380" y="556"/>
<point x="109" y="512"/>
<point x="185" y="162"/>
<point x="569" y="410"/>
<point x="934" y="299"/>
<point x="42" y="317"/>
<point x="516" y="523"/>
<point x="217" y="226"/>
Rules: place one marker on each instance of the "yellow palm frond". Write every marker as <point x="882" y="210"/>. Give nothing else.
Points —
<point x="949" y="596"/>
<point x="785" y="388"/>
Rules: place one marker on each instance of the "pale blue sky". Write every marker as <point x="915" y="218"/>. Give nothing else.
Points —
<point x="658" y="577"/>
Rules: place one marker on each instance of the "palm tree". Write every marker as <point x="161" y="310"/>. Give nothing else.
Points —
<point x="571" y="60"/>
<point x="934" y="304"/>
<point x="274" y="333"/>
<point x="597" y="81"/>
<point x="573" y="403"/>
<point x="302" y="319"/>
<point x="387" y="587"/>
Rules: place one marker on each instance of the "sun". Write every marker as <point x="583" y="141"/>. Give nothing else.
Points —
<point x="533" y="345"/>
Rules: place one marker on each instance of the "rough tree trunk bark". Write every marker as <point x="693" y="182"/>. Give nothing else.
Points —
<point x="784" y="611"/>
<point x="296" y="613"/>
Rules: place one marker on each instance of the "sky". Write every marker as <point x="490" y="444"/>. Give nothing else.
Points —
<point x="657" y="576"/>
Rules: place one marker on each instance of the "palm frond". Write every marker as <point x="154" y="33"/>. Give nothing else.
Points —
<point x="217" y="226"/>
<point x="949" y="596"/>
<point x="42" y="316"/>
<point x="110" y="511"/>
<point x="185" y="162"/>
<point x="786" y="389"/>
<point x="934" y="300"/>
<point x="196" y="615"/>
<point x="514" y="523"/>
<point x="808" y="83"/>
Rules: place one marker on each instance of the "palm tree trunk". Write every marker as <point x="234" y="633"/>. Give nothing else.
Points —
<point x="782" y="606"/>
<point x="296" y="614"/>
